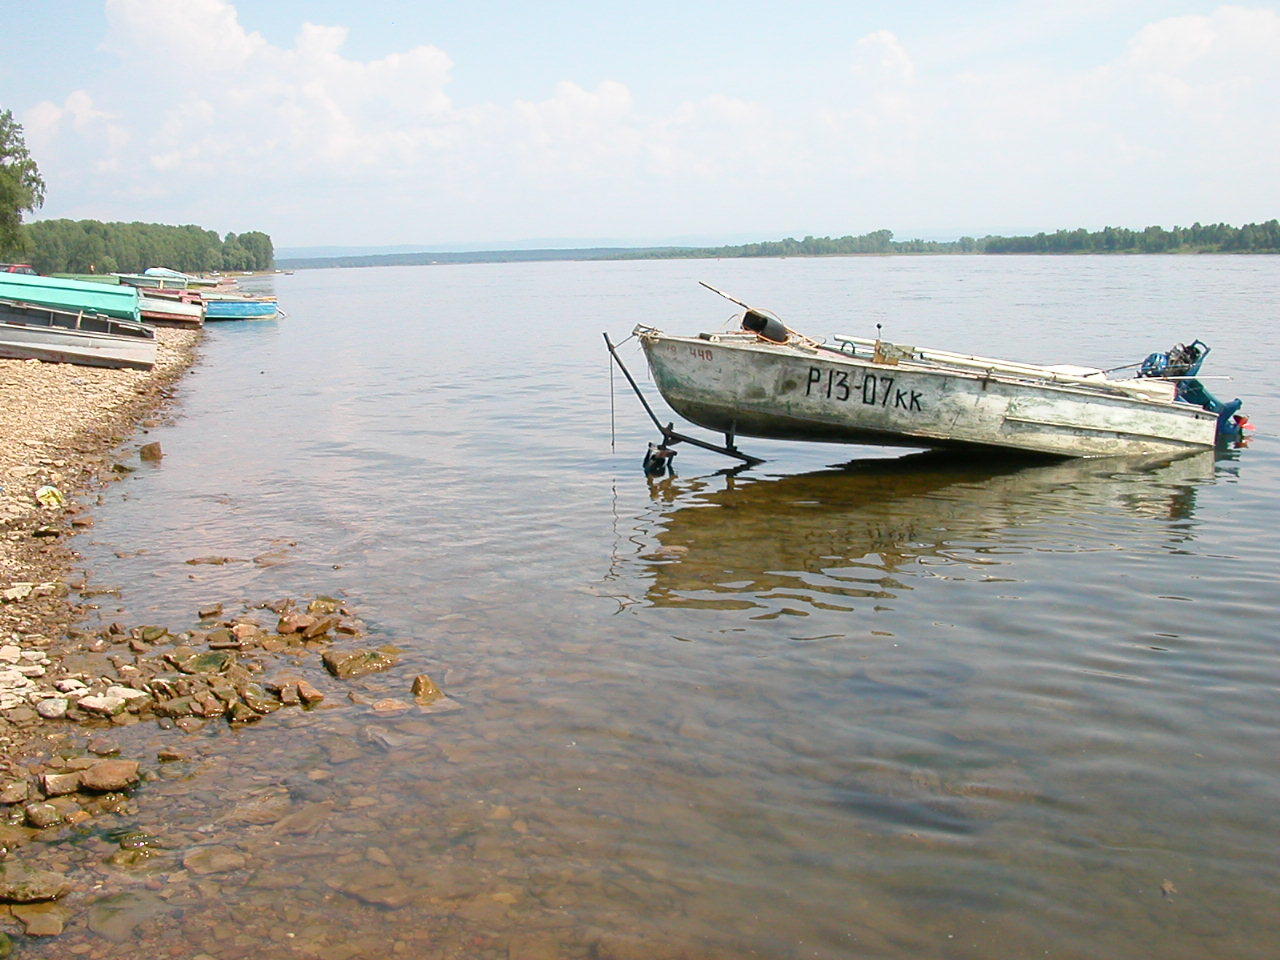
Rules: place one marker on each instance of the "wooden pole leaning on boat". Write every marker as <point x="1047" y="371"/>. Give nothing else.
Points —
<point x="669" y="435"/>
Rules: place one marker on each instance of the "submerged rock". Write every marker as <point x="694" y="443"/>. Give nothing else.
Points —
<point x="22" y="883"/>
<point x="323" y="606"/>
<point x="257" y="699"/>
<point x="425" y="689"/>
<point x="116" y="917"/>
<point x="215" y="859"/>
<point x="213" y="661"/>
<point x="295" y="623"/>
<point x="242" y="713"/>
<point x="308" y="693"/>
<point x="320" y="628"/>
<point x="41" y="919"/>
<point x="42" y="815"/>
<point x="107" y="775"/>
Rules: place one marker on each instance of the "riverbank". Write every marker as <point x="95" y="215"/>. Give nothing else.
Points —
<point x="60" y="429"/>
<point x="59" y="426"/>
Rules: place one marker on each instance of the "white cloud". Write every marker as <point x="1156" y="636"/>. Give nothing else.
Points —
<point x="304" y="138"/>
<point x="881" y="57"/>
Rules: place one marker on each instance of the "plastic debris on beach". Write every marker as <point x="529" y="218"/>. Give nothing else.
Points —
<point x="50" y="496"/>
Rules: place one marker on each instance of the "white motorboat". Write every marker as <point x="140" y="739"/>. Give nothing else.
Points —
<point x="768" y="381"/>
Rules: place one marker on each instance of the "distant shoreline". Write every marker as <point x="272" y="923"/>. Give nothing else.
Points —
<point x="1196" y="239"/>
<point x="566" y="256"/>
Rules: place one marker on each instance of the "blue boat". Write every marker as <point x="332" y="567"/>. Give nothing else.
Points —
<point x="231" y="307"/>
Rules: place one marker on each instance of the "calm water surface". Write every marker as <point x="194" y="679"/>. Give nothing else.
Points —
<point x="905" y="706"/>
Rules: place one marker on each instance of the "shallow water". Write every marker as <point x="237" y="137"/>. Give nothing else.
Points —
<point x="912" y="706"/>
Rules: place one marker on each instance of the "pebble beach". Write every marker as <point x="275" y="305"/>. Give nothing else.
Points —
<point x="60" y="427"/>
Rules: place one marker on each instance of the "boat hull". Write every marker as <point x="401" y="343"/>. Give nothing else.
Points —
<point x="34" y="333"/>
<point x="57" y="293"/>
<point x="751" y="388"/>
<point x="170" y="310"/>
<point x="254" y="309"/>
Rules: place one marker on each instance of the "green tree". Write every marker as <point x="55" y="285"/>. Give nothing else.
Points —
<point x="21" y="189"/>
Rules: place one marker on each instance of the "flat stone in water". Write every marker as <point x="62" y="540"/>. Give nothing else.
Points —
<point x="213" y="661"/>
<point x="107" y="706"/>
<point x="215" y="859"/>
<point x="23" y="883"/>
<point x="116" y="917"/>
<point x="110" y="775"/>
<point x="54" y="708"/>
<point x="348" y="664"/>
<point x="42" y="919"/>
<point x="15" y="792"/>
<point x="59" y="784"/>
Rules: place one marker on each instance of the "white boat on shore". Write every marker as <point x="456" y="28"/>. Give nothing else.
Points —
<point x="768" y="381"/>
<point x="33" y="332"/>
<point x="171" y="308"/>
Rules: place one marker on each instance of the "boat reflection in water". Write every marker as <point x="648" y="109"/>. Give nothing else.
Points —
<point x="830" y="537"/>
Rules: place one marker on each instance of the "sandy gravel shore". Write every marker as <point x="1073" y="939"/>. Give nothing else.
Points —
<point x="59" y="424"/>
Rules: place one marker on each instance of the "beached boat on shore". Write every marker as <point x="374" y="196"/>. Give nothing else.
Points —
<point x="230" y="306"/>
<point x="76" y="296"/>
<point x="162" y="278"/>
<point x="768" y="381"/>
<point x="171" y="308"/>
<point x="31" y="332"/>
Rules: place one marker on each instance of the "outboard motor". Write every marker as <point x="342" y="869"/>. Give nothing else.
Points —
<point x="1182" y="363"/>
<point x="1183" y="360"/>
<point x="765" y="327"/>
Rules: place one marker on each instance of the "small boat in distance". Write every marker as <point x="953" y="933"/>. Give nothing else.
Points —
<point x="769" y="381"/>
<point x="32" y="332"/>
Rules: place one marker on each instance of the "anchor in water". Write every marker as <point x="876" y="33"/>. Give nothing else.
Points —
<point x="658" y="460"/>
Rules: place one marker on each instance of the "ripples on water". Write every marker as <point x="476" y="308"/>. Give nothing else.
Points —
<point x="907" y="707"/>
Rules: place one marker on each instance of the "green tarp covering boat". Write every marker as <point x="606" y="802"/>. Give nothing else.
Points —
<point x="74" y="295"/>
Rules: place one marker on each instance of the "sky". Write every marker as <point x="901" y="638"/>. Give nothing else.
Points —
<point x="449" y="124"/>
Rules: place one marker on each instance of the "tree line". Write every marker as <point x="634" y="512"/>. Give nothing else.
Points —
<point x="1197" y="238"/>
<point x="90" y="246"/>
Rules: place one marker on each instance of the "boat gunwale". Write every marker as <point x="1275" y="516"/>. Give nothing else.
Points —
<point x="133" y="330"/>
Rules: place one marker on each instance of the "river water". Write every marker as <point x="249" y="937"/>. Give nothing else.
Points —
<point x="851" y="703"/>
